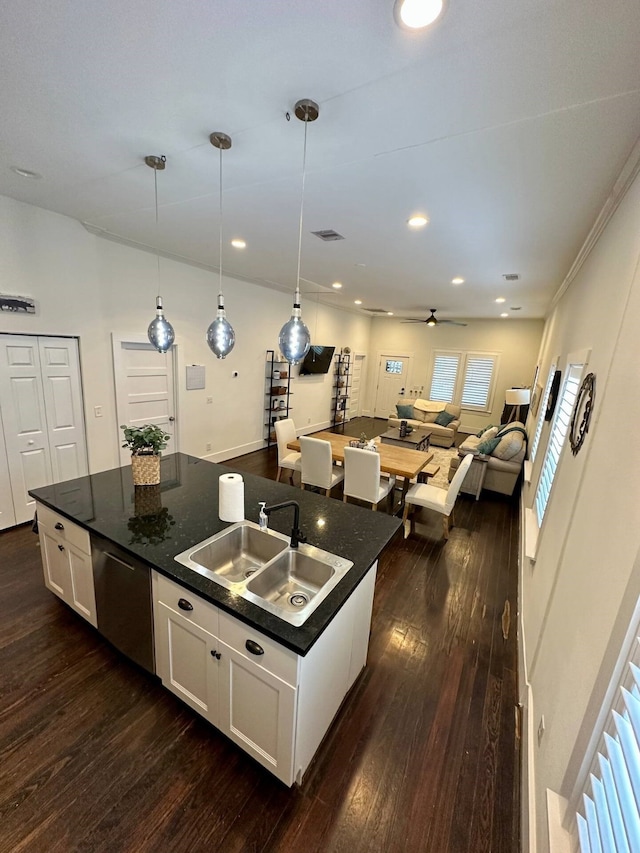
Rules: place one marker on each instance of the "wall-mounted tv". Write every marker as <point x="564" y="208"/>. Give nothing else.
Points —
<point x="317" y="360"/>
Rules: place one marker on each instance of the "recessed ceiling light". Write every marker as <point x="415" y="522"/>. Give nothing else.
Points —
<point x="337" y="285"/>
<point x="238" y="244"/>
<point x="416" y="14"/>
<point x="390" y="313"/>
<point x="25" y="173"/>
<point x="501" y="299"/>
<point x="357" y="301"/>
<point x="457" y="281"/>
<point x="417" y="221"/>
<point x="504" y="314"/>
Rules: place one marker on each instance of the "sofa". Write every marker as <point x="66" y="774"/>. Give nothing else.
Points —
<point x="428" y="413"/>
<point x="508" y="448"/>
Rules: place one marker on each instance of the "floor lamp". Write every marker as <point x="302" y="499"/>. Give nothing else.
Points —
<point x="516" y="397"/>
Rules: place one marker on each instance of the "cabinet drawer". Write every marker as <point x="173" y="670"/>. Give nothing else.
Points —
<point x="275" y="658"/>
<point x="203" y="614"/>
<point x="64" y="529"/>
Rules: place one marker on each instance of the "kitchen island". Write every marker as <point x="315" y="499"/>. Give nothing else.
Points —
<point x="276" y="703"/>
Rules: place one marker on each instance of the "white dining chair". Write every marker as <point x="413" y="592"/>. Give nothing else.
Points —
<point x="362" y="478"/>
<point x="435" y="498"/>
<point x="317" y="466"/>
<point x="290" y="459"/>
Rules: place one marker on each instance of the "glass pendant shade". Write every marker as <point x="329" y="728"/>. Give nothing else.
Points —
<point x="294" y="339"/>
<point x="160" y="331"/>
<point x="220" y="335"/>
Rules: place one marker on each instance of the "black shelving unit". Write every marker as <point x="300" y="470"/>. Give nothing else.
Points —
<point x="341" y="387"/>
<point x="277" y="394"/>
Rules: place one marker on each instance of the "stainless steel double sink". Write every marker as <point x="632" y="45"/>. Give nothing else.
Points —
<point x="261" y="567"/>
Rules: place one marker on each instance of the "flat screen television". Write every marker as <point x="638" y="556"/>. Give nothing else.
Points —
<point x="317" y="360"/>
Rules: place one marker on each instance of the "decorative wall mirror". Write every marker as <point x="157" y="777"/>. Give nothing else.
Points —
<point x="582" y="411"/>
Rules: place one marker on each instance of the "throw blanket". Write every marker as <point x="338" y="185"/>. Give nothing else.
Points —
<point x="429" y="405"/>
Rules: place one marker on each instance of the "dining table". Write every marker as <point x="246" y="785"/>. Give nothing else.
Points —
<point x="399" y="461"/>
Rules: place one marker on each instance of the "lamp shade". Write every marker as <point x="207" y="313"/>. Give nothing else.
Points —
<point x="517" y="396"/>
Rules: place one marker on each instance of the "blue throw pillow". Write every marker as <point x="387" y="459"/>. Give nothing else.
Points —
<point x="444" y="418"/>
<point x="487" y="447"/>
<point x="405" y="411"/>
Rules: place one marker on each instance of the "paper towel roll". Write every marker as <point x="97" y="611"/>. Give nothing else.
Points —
<point x="231" y="497"/>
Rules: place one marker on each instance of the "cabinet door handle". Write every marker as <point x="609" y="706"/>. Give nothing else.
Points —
<point x="183" y="604"/>
<point x="216" y="655"/>
<point x="253" y="647"/>
<point x="60" y="547"/>
<point x="59" y="525"/>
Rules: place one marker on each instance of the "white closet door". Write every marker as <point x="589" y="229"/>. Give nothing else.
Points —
<point x="7" y="515"/>
<point x="25" y="425"/>
<point x="60" y="369"/>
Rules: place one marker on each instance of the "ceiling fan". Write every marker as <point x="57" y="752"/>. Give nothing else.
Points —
<point x="432" y="321"/>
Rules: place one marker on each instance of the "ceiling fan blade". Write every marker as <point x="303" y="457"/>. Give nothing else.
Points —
<point x="451" y="322"/>
<point x="413" y="320"/>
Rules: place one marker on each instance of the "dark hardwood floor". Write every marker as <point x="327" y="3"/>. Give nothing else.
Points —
<point x="96" y="756"/>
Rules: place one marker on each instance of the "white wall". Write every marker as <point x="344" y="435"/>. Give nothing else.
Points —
<point x="91" y="287"/>
<point x="517" y="342"/>
<point x="578" y="594"/>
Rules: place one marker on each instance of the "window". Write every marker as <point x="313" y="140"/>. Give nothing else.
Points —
<point x="541" y="411"/>
<point x="556" y="438"/>
<point x="393" y="367"/>
<point x="467" y="378"/>
<point x="607" y="814"/>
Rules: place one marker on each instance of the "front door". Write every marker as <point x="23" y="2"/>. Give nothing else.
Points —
<point x="145" y="390"/>
<point x="394" y="373"/>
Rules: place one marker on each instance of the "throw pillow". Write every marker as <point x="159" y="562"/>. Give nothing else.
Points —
<point x="486" y="429"/>
<point x="509" y="445"/>
<point x="444" y="418"/>
<point x="405" y="411"/>
<point x="487" y="447"/>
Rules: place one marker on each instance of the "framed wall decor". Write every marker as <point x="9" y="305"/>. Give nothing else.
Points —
<point x="553" y="395"/>
<point x="582" y="411"/>
<point x="23" y="304"/>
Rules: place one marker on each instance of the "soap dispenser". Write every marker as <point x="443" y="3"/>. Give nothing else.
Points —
<point x="263" y="518"/>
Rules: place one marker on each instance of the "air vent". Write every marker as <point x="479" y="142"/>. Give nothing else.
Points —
<point x="376" y="310"/>
<point x="511" y="276"/>
<point x="328" y="235"/>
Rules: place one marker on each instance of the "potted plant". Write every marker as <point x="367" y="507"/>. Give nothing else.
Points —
<point x="145" y="443"/>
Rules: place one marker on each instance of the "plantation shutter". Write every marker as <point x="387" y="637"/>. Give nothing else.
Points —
<point x="478" y="377"/>
<point x="556" y="439"/>
<point x="609" y="817"/>
<point x="445" y="374"/>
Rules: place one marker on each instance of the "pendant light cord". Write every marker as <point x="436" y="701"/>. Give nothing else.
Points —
<point x="220" y="191"/>
<point x="304" y="173"/>
<point x="155" y="185"/>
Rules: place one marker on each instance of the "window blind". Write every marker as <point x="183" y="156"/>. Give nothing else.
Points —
<point x="541" y="411"/>
<point x="445" y="374"/>
<point x="556" y="439"/>
<point x="477" y="381"/>
<point x="609" y="818"/>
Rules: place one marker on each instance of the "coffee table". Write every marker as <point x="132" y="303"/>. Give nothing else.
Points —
<point x="418" y="439"/>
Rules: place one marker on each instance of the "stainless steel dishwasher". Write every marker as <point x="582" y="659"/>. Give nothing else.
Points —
<point x="124" y="605"/>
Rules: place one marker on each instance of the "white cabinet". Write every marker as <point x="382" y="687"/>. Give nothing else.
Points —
<point x="66" y="562"/>
<point x="274" y="704"/>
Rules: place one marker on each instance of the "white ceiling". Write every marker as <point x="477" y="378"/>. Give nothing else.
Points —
<point x="507" y="124"/>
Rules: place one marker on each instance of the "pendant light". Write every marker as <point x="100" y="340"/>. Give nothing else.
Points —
<point x="160" y="331"/>
<point x="294" y="338"/>
<point x="220" y="335"/>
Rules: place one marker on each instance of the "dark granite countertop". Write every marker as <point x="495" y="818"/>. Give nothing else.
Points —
<point x="107" y="504"/>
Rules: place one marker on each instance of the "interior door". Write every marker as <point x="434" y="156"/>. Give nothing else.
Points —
<point x="25" y="425"/>
<point x="394" y="373"/>
<point x="145" y="389"/>
<point x="60" y="370"/>
<point x="7" y="515"/>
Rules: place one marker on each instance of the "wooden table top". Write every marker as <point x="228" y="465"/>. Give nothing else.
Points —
<point x="400" y="461"/>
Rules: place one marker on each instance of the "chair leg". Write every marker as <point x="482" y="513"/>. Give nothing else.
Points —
<point x="344" y="499"/>
<point x="445" y="526"/>
<point x="302" y="485"/>
<point x="291" y="478"/>
<point x="328" y="492"/>
<point x="279" y="474"/>
<point x="374" y="507"/>
<point x="406" y="524"/>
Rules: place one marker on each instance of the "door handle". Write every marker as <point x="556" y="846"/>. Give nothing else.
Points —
<point x="60" y="547"/>
<point x="183" y="604"/>
<point x="59" y="525"/>
<point x="172" y="419"/>
<point x="215" y="654"/>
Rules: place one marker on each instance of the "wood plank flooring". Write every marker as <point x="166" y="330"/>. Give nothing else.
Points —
<point x="423" y="758"/>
